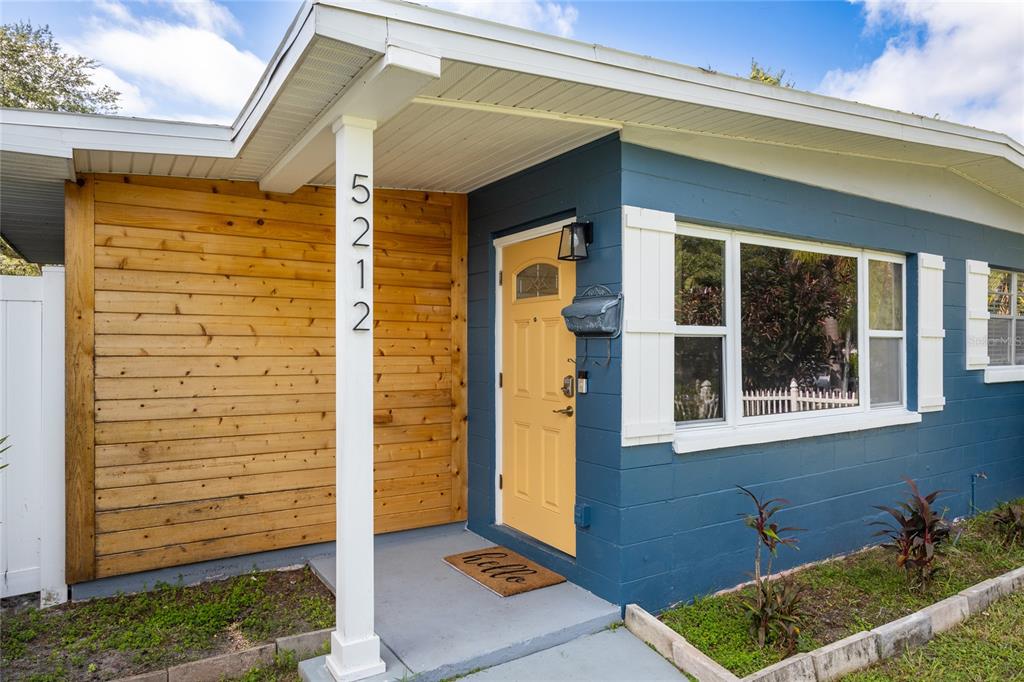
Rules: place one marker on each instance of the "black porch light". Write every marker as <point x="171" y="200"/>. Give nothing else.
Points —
<point x="575" y="239"/>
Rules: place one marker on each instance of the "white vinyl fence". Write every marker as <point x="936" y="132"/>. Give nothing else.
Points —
<point x="796" y="399"/>
<point x="32" y="416"/>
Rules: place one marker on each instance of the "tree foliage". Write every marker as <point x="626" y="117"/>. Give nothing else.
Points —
<point x="788" y="297"/>
<point x="37" y="73"/>
<point x="763" y="74"/>
<point x="11" y="262"/>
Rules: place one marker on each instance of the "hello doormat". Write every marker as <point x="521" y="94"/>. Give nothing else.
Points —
<point x="502" y="571"/>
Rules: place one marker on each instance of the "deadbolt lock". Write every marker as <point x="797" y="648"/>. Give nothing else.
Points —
<point x="568" y="385"/>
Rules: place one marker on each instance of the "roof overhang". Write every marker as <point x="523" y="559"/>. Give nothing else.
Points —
<point x="461" y="102"/>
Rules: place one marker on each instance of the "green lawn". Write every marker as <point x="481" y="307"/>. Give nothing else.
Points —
<point x="845" y="596"/>
<point x="120" y="636"/>
<point x="988" y="647"/>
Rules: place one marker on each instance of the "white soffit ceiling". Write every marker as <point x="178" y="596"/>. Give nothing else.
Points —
<point x="443" y="149"/>
<point x="469" y="83"/>
<point x="32" y="204"/>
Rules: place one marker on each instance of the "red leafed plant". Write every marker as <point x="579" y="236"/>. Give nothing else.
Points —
<point x="916" y="530"/>
<point x="1010" y="520"/>
<point x="775" y="608"/>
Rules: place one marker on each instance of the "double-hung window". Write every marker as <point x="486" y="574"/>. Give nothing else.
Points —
<point x="770" y="329"/>
<point x="1006" y="317"/>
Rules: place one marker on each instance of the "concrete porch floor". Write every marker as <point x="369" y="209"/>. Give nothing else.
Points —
<point x="436" y="622"/>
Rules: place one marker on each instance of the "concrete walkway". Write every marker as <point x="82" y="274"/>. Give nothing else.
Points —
<point x="608" y="656"/>
<point x="438" y="622"/>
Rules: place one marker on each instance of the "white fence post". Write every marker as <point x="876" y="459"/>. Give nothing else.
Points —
<point x="32" y="415"/>
<point x="52" y="586"/>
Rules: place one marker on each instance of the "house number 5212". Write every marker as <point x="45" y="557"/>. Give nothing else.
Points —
<point x="360" y="195"/>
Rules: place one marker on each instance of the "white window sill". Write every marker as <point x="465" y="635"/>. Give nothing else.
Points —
<point x="1001" y="375"/>
<point x="690" y="439"/>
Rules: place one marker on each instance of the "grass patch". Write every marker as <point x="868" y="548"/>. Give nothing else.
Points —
<point x="285" y="668"/>
<point x="987" y="647"/>
<point x="170" y="624"/>
<point x="846" y="596"/>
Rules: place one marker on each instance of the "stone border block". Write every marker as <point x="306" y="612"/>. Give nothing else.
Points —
<point x="984" y="593"/>
<point x="799" y="668"/>
<point x="948" y="613"/>
<point x="1014" y="578"/>
<point x="227" y="665"/>
<point x="305" y="644"/>
<point x="650" y="630"/>
<point x="855" y="652"/>
<point x="902" y="634"/>
<point x="674" y="647"/>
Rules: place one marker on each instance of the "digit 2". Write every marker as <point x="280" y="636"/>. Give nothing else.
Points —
<point x="366" y="229"/>
<point x="366" y="313"/>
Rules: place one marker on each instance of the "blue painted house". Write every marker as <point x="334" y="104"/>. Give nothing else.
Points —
<point x="808" y="297"/>
<point x="663" y="515"/>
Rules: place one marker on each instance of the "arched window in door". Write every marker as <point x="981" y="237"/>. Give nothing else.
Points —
<point x="539" y="279"/>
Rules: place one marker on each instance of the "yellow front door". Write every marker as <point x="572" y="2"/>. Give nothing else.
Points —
<point x="538" y="393"/>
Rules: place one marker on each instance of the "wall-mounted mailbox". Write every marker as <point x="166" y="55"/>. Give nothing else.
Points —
<point x="595" y="314"/>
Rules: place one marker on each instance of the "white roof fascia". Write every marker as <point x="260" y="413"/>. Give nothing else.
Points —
<point x="487" y="43"/>
<point x="279" y="70"/>
<point x="50" y="133"/>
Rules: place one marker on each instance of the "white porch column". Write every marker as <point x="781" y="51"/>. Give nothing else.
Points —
<point x="355" y="648"/>
<point x="53" y="588"/>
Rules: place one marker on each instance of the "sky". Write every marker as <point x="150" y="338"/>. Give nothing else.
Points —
<point x="198" y="60"/>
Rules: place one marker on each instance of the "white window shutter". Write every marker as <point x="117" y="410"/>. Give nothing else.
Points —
<point x="648" y="338"/>
<point x="977" y="314"/>
<point x="930" y="333"/>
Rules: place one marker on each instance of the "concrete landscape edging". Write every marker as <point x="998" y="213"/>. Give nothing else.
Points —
<point x="832" y="661"/>
<point x="237" y="663"/>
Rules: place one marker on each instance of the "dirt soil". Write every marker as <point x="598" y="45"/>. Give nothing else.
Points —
<point x="105" y="639"/>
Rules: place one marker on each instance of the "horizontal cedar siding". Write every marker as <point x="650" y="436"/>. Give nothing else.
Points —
<point x="214" y="368"/>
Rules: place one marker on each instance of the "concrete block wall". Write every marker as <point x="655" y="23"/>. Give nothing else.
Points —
<point x="680" y="511"/>
<point x="585" y="182"/>
<point x="665" y="526"/>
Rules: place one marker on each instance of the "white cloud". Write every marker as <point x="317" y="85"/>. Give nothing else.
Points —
<point x="114" y="9"/>
<point x="540" y="15"/>
<point x="163" y="66"/>
<point x="962" y="61"/>
<point x="206" y="15"/>
<point x="132" y="102"/>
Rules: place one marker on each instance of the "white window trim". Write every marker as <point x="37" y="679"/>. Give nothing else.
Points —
<point x="999" y="374"/>
<point x="1015" y="317"/>
<point x="717" y="435"/>
<point x="736" y="429"/>
<point x="1002" y="374"/>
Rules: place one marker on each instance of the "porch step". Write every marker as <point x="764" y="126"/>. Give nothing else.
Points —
<point x="439" y="623"/>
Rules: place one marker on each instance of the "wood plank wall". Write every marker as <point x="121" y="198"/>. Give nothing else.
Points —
<point x="211" y="389"/>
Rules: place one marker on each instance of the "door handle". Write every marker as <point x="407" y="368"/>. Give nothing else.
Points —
<point x="567" y="411"/>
